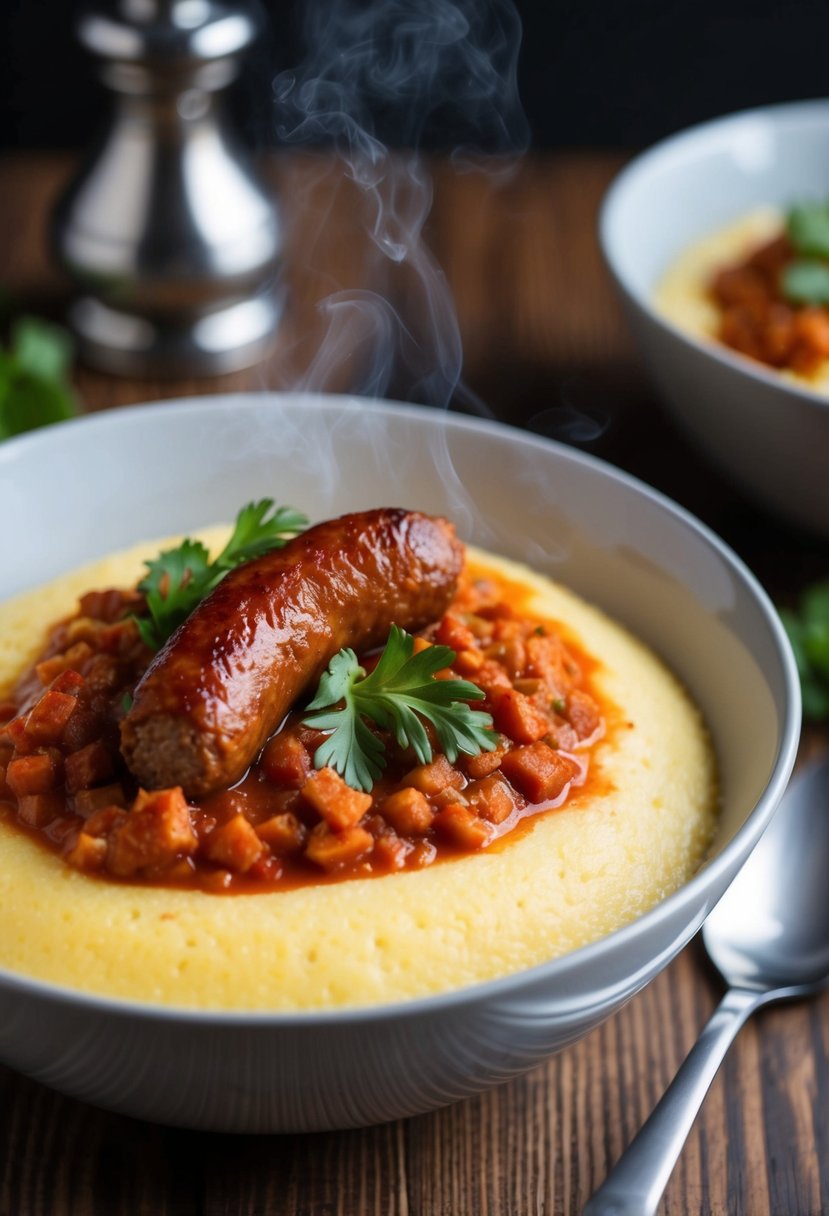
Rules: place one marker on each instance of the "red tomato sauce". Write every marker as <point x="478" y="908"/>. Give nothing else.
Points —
<point x="286" y="823"/>
<point x="757" y="319"/>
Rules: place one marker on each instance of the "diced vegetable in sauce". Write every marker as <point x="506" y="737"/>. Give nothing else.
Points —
<point x="774" y="303"/>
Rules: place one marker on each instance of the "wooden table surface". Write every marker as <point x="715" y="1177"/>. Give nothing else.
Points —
<point x="546" y="348"/>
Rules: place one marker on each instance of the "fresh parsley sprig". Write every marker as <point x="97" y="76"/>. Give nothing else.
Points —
<point x="808" y="630"/>
<point x="806" y="282"/>
<point x="806" y="279"/>
<point x="178" y="579"/>
<point x="396" y="696"/>
<point x="807" y="227"/>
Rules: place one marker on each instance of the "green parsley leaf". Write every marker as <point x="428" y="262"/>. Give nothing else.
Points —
<point x="396" y="696"/>
<point x="180" y="578"/>
<point x="34" y="387"/>
<point x="806" y="282"/>
<point x="808" y="632"/>
<point x="807" y="227"/>
<point x="256" y="526"/>
<point x="176" y="581"/>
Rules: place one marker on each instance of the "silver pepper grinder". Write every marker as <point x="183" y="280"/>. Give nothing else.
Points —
<point x="168" y="236"/>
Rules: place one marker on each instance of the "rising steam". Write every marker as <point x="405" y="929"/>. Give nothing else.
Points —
<point x="408" y="71"/>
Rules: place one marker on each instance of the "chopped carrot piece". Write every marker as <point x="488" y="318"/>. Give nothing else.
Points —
<point x="423" y="854"/>
<point x="468" y="662"/>
<point x="331" y="850"/>
<point x="38" y="810"/>
<point x="492" y="678"/>
<point x="90" y="766"/>
<point x="485" y="762"/>
<point x="463" y="826"/>
<point x="14" y="733"/>
<point x="492" y="798"/>
<point x="102" y="673"/>
<point x="180" y="871"/>
<point x="337" y="803"/>
<point x="563" y="735"/>
<point x="511" y="654"/>
<point x="83" y="727"/>
<point x="529" y="687"/>
<point x="285" y="761"/>
<point x="546" y="658"/>
<point x="454" y="633"/>
<point x="390" y="852"/>
<point x="582" y="712"/>
<point x="109" y="604"/>
<point x="446" y="796"/>
<point x="434" y="777"/>
<point x="153" y="834"/>
<point x="82" y="629"/>
<point x="538" y="772"/>
<point x="71" y="682"/>
<point x="87" y="853"/>
<point x="506" y="627"/>
<point x="101" y="823"/>
<point x="49" y="716"/>
<point x="235" y="844"/>
<point x="35" y="774"/>
<point x="119" y="638"/>
<point x="811" y="327"/>
<point x="50" y="669"/>
<point x="90" y="801"/>
<point x="408" y="812"/>
<point x="517" y="717"/>
<point x="283" y="833"/>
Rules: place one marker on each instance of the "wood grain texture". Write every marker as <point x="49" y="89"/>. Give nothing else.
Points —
<point x="545" y="347"/>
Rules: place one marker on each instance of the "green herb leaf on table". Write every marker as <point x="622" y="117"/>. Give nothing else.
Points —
<point x="34" y="384"/>
<point x="41" y="349"/>
<point x="808" y="630"/>
<point x="399" y="693"/>
<point x="178" y="579"/>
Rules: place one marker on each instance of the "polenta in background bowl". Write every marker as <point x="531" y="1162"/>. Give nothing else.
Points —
<point x="697" y="203"/>
<point x="375" y="998"/>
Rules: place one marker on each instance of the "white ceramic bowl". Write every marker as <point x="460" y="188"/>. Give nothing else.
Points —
<point x="770" y="435"/>
<point x="73" y="492"/>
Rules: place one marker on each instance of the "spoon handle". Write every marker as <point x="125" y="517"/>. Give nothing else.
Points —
<point x="635" y="1184"/>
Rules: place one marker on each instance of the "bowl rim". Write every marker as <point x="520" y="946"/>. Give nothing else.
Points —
<point x="689" y="893"/>
<point x="674" y="147"/>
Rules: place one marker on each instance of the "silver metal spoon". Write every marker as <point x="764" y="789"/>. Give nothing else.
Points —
<point x="769" y="938"/>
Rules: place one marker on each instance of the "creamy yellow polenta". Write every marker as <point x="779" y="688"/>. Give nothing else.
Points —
<point x="682" y="294"/>
<point x="576" y="875"/>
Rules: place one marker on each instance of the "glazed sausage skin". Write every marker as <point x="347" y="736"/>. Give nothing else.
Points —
<point x="224" y="681"/>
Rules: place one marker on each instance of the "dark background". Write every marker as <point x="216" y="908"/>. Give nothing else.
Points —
<point x="600" y="73"/>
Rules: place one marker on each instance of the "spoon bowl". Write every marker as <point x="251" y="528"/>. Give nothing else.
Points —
<point x="771" y="928"/>
<point x="769" y="938"/>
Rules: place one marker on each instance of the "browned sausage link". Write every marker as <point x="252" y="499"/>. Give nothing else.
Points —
<point x="225" y="680"/>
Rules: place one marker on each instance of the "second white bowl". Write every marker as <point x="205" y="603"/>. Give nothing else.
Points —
<point x="770" y="435"/>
